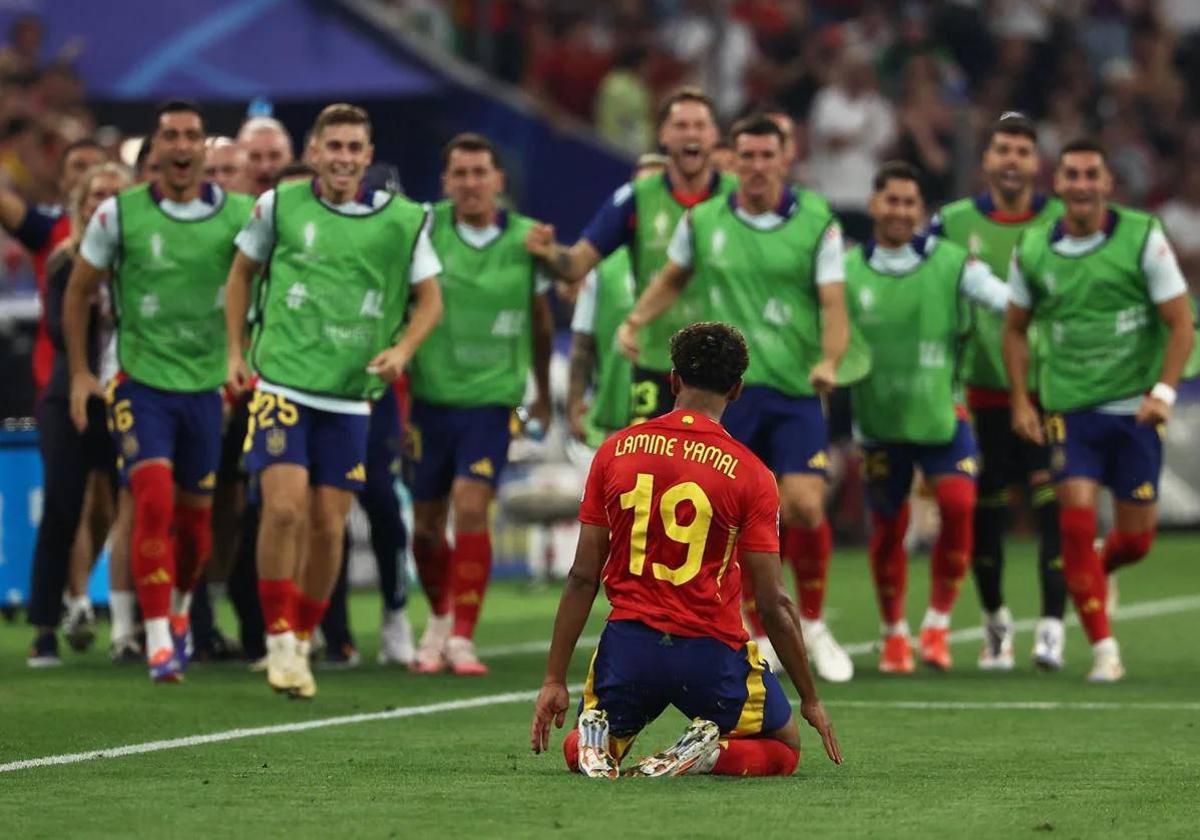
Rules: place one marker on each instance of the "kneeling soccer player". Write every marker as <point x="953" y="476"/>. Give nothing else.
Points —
<point x="672" y="509"/>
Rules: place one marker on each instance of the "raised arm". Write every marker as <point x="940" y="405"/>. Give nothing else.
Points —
<point x="570" y="264"/>
<point x="980" y="285"/>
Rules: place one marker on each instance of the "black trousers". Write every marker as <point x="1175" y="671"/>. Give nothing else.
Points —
<point x="67" y="459"/>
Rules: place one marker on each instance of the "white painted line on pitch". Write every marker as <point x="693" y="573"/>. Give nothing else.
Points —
<point x="1145" y="609"/>
<point x="277" y="729"/>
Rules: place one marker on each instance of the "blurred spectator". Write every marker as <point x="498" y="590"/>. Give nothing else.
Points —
<point x="789" y="66"/>
<point x="568" y="68"/>
<point x="21" y="56"/>
<point x="624" y="104"/>
<point x="927" y="129"/>
<point x="1181" y="219"/>
<point x="718" y="51"/>
<point x="1064" y="123"/>
<point x="225" y="164"/>
<point x="851" y="128"/>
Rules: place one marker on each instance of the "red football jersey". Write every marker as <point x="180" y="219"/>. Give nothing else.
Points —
<point x="680" y="498"/>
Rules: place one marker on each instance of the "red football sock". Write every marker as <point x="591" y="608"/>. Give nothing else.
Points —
<point x="808" y="550"/>
<point x="309" y="612"/>
<point x="750" y="607"/>
<point x="1122" y="549"/>
<point x="1083" y="570"/>
<point x="756" y="757"/>
<point x="889" y="562"/>
<point x="193" y="538"/>
<point x="952" y="551"/>
<point x="571" y="750"/>
<point x="152" y="547"/>
<point x="433" y="568"/>
<point x="470" y="568"/>
<point x="279" y="604"/>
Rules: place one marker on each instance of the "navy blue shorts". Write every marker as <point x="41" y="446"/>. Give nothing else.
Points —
<point x="443" y="443"/>
<point x="637" y="671"/>
<point x="890" y="467"/>
<point x="385" y="436"/>
<point x="330" y="445"/>
<point x="1112" y="449"/>
<point x="183" y="428"/>
<point x="789" y="434"/>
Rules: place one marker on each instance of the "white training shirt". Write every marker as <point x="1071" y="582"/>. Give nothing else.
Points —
<point x="257" y="239"/>
<point x="1164" y="282"/>
<point x="977" y="282"/>
<point x="829" y="261"/>
<point x="102" y="237"/>
<point x="485" y="236"/>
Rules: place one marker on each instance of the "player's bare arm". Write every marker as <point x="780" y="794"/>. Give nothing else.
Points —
<point x="663" y="291"/>
<point x="582" y="363"/>
<point x="571" y="264"/>
<point x="237" y="302"/>
<point x="583" y="582"/>
<point x="783" y="629"/>
<point x="85" y="279"/>
<point x="1177" y="315"/>
<point x="1015" y="347"/>
<point x="427" y="311"/>
<point x="543" y="347"/>
<point x="835" y="336"/>
<point x="13" y="209"/>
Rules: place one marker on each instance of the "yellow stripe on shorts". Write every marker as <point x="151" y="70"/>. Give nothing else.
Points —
<point x="750" y="721"/>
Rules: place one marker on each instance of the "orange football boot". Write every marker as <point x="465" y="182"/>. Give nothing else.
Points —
<point x="896" y="657"/>
<point x="935" y="647"/>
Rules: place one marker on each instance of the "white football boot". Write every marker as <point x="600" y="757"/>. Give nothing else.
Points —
<point x="595" y="759"/>
<point x="997" y="652"/>
<point x="1106" y="662"/>
<point x="828" y="657"/>
<point x="695" y="752"/>
<point x="396" y="639"/>
<point x="1049" y="640"/>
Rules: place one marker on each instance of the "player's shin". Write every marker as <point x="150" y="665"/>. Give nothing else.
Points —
<point x="470" y="569"/>
<point x="952" y="552"/>
<point x="1124" y="549"/>
<point x="889" y="565"/>
<point x="1084" y="571"/>
<point x="987" y="561"/>
<point x="432" y="558"/>
<point x="153" y="552"/>
<point x="1050" y="564"/>
<point x="193" y="539"/>
<point x="808" y="551"/>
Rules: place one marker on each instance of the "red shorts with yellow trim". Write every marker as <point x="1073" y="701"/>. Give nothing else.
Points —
<point x="638" y="671"/>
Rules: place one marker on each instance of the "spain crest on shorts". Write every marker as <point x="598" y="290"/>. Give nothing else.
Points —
<point x="129" y="445"/>
<point x="276" y="442"/>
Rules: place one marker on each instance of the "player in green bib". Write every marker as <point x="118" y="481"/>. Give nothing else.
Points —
<point x="465" y="382"/>
<point x="606" y="298"/>
<point x="1115" y="328"/>
<point x="770" y="258"/>
<point x="346" y="265"/>
<point x="167" y="248"/>
<point x="642" y="215"/>
<point x="909" y="296"/>
<point x="988" y="226"/>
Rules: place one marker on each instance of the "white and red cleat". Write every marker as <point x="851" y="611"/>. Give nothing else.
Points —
<point x="896" y="656"/>
<point x="1106" y="662"/>
<point x="431" y="650"/>
<point x="462" y="658"/>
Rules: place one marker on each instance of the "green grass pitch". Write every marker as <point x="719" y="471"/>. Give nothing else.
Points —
<point x="962" y="754"/>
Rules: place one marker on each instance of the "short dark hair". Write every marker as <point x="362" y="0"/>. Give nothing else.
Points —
<point x="143" y="155"/>
<point x="685" y="94"/>
<point x="469" y="141"/>
<point x="1011" y="122"/>
<point x="759" y="125"/>
<point x="76" y="145"/>
<point x="895" y="170"/>
<point x="295" y="169"/>
<point x="1084" y="144"/>
<point x="710" y="356"/>
<point x="177" y="106"/>
<point x="340" y="113"/>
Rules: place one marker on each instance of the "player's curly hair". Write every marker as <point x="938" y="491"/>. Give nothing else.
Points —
<point x="710" y="356"/>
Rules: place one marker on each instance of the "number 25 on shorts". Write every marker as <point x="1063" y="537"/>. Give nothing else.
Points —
<point x="694" y="535"/>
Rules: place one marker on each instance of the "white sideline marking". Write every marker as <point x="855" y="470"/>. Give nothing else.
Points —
<point x="1146" y="609"/>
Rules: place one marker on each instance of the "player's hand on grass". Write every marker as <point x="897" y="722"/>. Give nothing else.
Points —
<point x="576" y="417"/>
<point x="1153" y="411"/>
<point x="814" y="713"/>
<point x="823" y="376"/>
<point x="541" y="241"/>
<point x="389" y="365"/>
<point x="627" y="340"/>
<point x="1026" y="423"/>
<point x="84" y="386"/>
<point x="551" y="705"/>
<point x="237" y="377"/>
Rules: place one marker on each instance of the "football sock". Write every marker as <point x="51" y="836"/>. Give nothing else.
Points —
<point x="152" y="547"/>
<point x="279" y="607"/>
<point x="987" y="562"/>
<point x="309" y="612"/>
<point x="755" y="757"/>
<point x="808" y="551"/>
<point x="889" y="562"/>
<point x="121" y="607"/>
<point x="193" y="538"/>
<point x="158" y="635"/>
<point x="433" y="568"/>
<point x="1050" y="565"/>
<point x="1123" y="549"/>
<point x="952" y="551"/>
<point x="571" y="750"/>
<point x="470" y="568"/>
<point x="1083" y="570"/>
